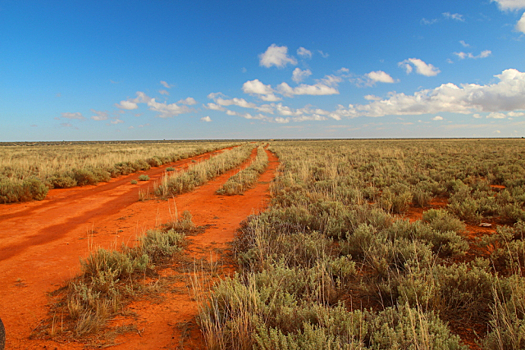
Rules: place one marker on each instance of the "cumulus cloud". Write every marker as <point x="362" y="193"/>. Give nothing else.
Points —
<point x="520" y="26"/>
<point x="454" y="16"/>
<point x="99" y="115"/>
<point x="164" y="109"/>
<point x="77" y="116"/>
<point x="129" y="105"/>
<point x="190" y="101"/>
<point x="167" y="110"/>
<point x="276" y="56"/>
<point x="164" y="92"/>
<point x="256" y="87"/>
<point x="463" y="55"/>
<point x="496" y="115"/>
<point x="303" y="89"/>
<point x="235" y="102"/>
<point x="304" y="52"/>
<point x="117" y="121"/>
<point x="372" y="98"/>
<point x="506" y="95"/>
<point x="511" y="5"/>
<point x="421" y="67"/>
<point x="437" y="117"/>
<point x="379" y="76"/>
<point x="214" y="107"/>
<point x="206" y="119"/>
<point x="299" y="75"/>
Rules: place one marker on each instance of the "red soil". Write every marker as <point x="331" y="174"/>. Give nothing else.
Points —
<point x="41" y="243"/>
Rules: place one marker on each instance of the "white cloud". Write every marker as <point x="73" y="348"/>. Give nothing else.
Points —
<point x="235" y="102"/>
<point x="506" y="95"/>
<point x="281" y="120"/>
<point x="379" y="76"/>
<point x="496" y="115"/>
<point x="520" y="26"/>
<point x="256" y="87"/>
<point x="454" y="16"/>
<point x="325" y="55"/>
<point x="428" y="22"/>
<point x="477" y="116"/>
<point x="190" y="101"/>
<point x="463" y="55"/>
<point x="99" y="115"/>
<point x="299" y="75"/>
<point x="303" y="89"/>
<point x="77" y="116"/>
<point x="437" y="117"/>
<point x="464" y="44"/>
<point x="131" y="127"/>
<point x="421" y="67"/>
<point x="127" y="105"/>
<point x="304" y="52"/>
<point x="516" y="114"/>
<point x="164" y="92"/>
<point x="165" y="84"/>
<point x="167" y="110"/>
<point x="510" y="4"/>
<point x="276" y="56"/>
<point x="372" y="98"/>
<point x="117" y="121"/>
<point x="214" y="107"/>
<point x="206" y="119"/>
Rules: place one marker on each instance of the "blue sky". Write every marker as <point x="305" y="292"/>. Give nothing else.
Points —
<point x="127" y="70"/>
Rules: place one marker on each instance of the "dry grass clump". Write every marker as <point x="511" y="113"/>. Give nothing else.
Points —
<point x="334" y="263"/>
<point x="28" y="171"/>
<point x="246" y="178"/>
<point x="200" y="173"/>
<point x="110" y="279"/>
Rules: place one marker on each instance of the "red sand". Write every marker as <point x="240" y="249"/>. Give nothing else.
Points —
<point x="41" y="244"/>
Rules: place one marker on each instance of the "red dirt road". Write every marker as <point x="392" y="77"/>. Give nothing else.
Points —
<point x="41" y="243"/>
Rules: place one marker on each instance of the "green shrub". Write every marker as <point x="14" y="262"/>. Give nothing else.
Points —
<point x="143" y="177"/>
<point x="134" y="182"/>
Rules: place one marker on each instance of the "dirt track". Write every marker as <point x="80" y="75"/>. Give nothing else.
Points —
<point x="41" y="243"/>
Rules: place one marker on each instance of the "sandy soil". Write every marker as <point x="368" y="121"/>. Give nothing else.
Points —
<point x="41" y="244"/>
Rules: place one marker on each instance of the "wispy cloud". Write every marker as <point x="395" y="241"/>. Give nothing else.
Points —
<point x="99" y="115"/>
<point x="463" y="55"/>
<point x="164" y="109"/>
<point x="304" y="52"/>
<point x="165" y="84"/>
<point x="454" y="16"/>
<point x="77" y="116"/>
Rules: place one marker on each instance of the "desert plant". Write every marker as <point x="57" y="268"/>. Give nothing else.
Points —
<point x="143" y="177"/>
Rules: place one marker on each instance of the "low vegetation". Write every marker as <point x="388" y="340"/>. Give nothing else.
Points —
<point x="28" y="171"/>
<point x="200" y="173"/>
<point x="110" y="279"/>
<point x="246" y="178"/>
<point x="335" y="263"/>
